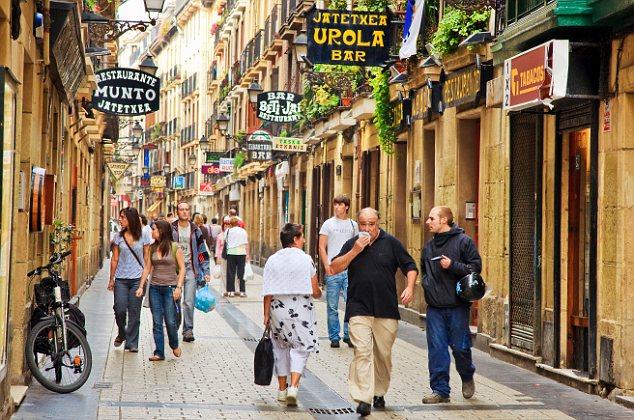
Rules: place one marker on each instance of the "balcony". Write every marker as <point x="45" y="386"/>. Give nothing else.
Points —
<point x="250" y="57"/>
<point x="188" y="134"/>
<point x="292" y="16"/>
<point x="212" y="79"/>
<point x="517" y="9"/>
<point x="171" y="128"/>
<point x="189" y="86"/>
<point x="272" y="43"/>
<point x="236" y="73"/>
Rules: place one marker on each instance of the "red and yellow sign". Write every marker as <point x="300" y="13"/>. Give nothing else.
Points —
<point x="537" y="76"/>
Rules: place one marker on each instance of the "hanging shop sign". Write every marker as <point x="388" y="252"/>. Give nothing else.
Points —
<point x="466" y="86"/>
<point x="122" y="91"/>
<point x="157" y="181"/>
<point x="117" y="169"/>
<point x="402" y="114"/>
<point x="206" y="188"/>
<point x="178" y="182"/>
<point x="260" y="146"/>
<point x="278" y="106"/>
<point x="226" y="165"/>
<point x="348" y="38"/>
<point x="537" y="76"/>
<point x="212" y="157"/>
<point x="210" y="168"/>
<point x="289" y="144"/>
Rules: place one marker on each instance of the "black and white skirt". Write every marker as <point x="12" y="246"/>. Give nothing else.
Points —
<point x="293" y="322"/>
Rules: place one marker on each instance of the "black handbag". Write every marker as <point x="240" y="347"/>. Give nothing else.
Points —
<point x="263" y="360"/>
<point x="224" y="246"/>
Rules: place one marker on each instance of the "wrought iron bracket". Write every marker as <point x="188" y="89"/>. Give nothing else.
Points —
<point x="112" y="29"/>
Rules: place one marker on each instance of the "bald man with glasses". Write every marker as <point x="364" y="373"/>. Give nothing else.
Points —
<point x="372" y="258"/>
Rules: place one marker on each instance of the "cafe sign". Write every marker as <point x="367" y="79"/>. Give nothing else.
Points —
<point x="278" y="106"/>
<point x="348" y="38"/>
<point x="122" y="91"/>
<point x="536" y="76"/>
<point x="289" y="144"/>
<point x="466" y="86"/>
<point x="260" y="146"/>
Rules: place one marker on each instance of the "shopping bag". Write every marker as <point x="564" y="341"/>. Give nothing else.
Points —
<point x="263" y="360"/>
<point x="248" y="272"/>
<point x="205" y="300"/>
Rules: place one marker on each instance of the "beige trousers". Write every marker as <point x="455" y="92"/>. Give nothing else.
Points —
<point x="371" y="366"/>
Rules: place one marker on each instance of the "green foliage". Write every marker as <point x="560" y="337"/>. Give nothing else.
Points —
<point x="238" y="160"/>
<point x="383" y="117"/>
<point x="59" y="239"/>
<point x="284" y="133"/>
<point x="456" y="25"/>
<point x="156" y="131"/>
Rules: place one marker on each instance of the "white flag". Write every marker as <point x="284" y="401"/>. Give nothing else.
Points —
<point x="411" y="28"/>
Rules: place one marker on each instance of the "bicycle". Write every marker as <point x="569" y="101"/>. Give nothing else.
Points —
<point x="57" y="351"/>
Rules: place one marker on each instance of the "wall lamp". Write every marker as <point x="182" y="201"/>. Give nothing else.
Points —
<point x="115" y="28"/>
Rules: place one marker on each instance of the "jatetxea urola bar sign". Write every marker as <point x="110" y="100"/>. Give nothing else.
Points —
<point x="122" y="91"/>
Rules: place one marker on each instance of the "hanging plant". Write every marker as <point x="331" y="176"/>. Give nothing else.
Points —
<point x="238" y="160"/>
<point x="60" y="238"/>
<point x="456" y="25"/>
<point x="383" y="117"/>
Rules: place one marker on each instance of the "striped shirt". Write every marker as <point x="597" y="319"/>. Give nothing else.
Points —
<point x="128" y="267"/>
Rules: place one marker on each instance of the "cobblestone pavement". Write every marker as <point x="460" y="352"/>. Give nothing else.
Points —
<point x="214" y="377"/>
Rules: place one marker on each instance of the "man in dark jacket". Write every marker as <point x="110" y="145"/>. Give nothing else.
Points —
<point x="448" y="257"/>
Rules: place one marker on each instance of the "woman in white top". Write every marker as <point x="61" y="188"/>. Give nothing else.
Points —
<point x="290" y="283"/>
<point x="237" y="243"/>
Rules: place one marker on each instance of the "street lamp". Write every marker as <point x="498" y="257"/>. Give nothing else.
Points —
<point x="153" y="6"/>
<point x="115" y="27"/>
<point x="223" y="123"/>
<point x="301" y="48"/>
<point x="166" y="169"/>
<point x="203" y="143"/>
<point x="137" y="130"/>
<point x="254" y="90"/>
<point x="148" y="65"/>
<point x="192" y="159"/>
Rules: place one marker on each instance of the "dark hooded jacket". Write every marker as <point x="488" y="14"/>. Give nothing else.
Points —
<point x="439" y="284"/>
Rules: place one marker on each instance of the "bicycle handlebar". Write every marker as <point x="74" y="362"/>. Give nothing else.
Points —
<point x="55" y="259"/>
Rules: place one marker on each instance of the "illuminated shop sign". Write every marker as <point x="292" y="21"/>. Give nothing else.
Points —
<point x="122" y="91"/>
<point x="348" y="38"/>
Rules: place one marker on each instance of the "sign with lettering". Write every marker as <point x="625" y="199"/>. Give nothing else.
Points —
<point x="157" y="181"/>
<point x="226" y="165"/>
<point x="206" y="188"/>
<point x="210" y="168"/>
<point x="468" y="85"/>
<point x="178" y="182"/>
<point x="348" y="38"/>
<point x="211" y="157"/>
<point x="536" y="76"/>
<point x="122" y="91"/>
<point x="260" y="146"/>
<point x="117" y="169"/>
<point x="278" y="106"/>
<point x="289" y="144"/>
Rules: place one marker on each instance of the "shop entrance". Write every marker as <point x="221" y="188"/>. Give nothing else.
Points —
<point x="578" y="278"/>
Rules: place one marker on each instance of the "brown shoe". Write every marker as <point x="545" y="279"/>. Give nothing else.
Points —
<point x="118" y="341"/>
<point x="177" y="352"/>
<point x="435" y="399"/>
<point x="155" y="358"/>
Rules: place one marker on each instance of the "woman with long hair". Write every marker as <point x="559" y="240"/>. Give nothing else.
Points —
<point x="167" y="266"/>
<point x="129" y="268"/>
<point x="290" y="283"/>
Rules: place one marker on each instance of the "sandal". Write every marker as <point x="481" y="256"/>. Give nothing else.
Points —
<point x="155" y="358"/>
<point x="177" y="351"/>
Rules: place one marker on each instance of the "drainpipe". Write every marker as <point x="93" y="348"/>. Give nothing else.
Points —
<point x="47" y="32"/>
<point x="557" y="247"/>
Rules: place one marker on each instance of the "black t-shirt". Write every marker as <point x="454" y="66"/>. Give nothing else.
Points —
<point x="371" y="281"/>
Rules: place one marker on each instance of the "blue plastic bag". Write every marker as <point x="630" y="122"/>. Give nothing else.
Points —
<point x="205" y="300"/>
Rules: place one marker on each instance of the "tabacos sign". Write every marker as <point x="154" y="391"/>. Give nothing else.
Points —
<point x="278" y="106"/>
<point x="348" y="38"/>
<point x="122" y="91"/>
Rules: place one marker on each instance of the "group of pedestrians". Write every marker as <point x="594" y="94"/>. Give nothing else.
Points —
<point x="360" y="261"/>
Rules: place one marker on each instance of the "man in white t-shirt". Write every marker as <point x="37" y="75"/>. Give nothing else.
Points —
<point x="335" y="232"/>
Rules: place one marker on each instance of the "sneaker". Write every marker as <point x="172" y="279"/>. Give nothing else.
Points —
<point x="468" y="388"/>
<point x="281" y="395"/>
<point x="188" y="337"/>
<point x="334" y="344"/>
<point x="291" y="396"/>
<point x="242" y="294"/>
<point x="435" y="399"/>
<point x="231" y="294"/>
<point x="348" y="342"/>
<point x="379" y="402"/>
<point x="364" y="409"/>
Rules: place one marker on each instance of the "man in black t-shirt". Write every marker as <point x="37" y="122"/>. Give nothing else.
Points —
<point x="372" y="258"/>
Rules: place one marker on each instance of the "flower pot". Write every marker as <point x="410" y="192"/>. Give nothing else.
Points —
<point x="465" y="56"/>
<point x="346" y="101"/>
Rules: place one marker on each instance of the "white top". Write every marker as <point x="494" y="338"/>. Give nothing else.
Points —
<point x="184" y="243"/>
<point x="338" y="231"/>
<point x="147" y="233"/>
<point x="236" y="236"/>
<point x="288" y="272"/>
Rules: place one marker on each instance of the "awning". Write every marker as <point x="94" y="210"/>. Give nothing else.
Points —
<point x="153" y="207"/>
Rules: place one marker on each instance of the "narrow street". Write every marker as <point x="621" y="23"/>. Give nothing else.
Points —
<point x="214" y="377"/>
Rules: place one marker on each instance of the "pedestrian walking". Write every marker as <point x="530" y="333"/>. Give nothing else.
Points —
<point x="199" y="220"/>
<point x="332" y="235"/>
<point x="289" y="286"/>
<point x="237" y="244"/>
<point x="190" y="241"/>
<point x="214" y="230"/>
<point x="129" y="267"/>
<point x="167" y="267"/>
<point x="446" y="258"/>
<point x="233" y="212"/>
<point x="372" y="258"/>
<point x="145" y="229"/>
<point x="220" y="244"/>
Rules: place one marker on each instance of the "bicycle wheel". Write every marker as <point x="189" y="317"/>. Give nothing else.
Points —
<point x="56" y="370"/>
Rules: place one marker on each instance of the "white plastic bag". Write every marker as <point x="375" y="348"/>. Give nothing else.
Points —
<point x="248" y="272"/>
<point x="216" y="272"/>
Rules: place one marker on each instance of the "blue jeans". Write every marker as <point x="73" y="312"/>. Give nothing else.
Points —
<point x="335" y="284"/>
<point x="127" y="311"/>
<point x="189" y="295"/>
<point x="448" y="327"/>
<point x="163" y="308"/>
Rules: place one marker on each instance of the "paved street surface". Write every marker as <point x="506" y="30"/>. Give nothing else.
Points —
<point x="214" y="377"/>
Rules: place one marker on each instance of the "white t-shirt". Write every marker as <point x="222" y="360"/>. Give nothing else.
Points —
<point x="147" y="234"/>
<point x="338" y="231"/>
<point x="288" y="272"/>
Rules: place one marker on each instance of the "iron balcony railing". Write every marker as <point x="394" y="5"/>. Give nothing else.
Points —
<point x="517" y="9"/>
<point x="236" y="73"/>
<point x="271" y="26"/>
<point x="188" y="134"/>
<point x="189" y="85"/>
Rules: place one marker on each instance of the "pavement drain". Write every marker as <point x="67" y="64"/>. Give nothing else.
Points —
<point x="102" y="385"/>
<point x="333" y="411"/>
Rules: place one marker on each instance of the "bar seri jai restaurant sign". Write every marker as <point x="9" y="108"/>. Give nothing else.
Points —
<point x="348" y="38"/>
<point x="278" y="106"/>
<point x="122" y="91"/>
